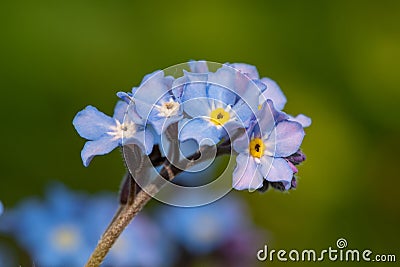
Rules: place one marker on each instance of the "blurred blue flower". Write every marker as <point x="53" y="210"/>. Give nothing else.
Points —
<point x="105" y="133"/>
<point x="1" y="207"/>
<point x="64" y="229"/>
<point x="50" y="231"/>
<point x="221" y="228"/>
<point x="141" y="243"/>
<point x="262" y="150"/>
<point x="202" y="229"/>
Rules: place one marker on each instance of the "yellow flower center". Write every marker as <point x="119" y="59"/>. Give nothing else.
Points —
<point x="219" y="116"/>
<point x="65" y="238"/>
<point x="256" y="147"/>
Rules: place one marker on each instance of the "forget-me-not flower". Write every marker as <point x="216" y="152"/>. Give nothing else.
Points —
<point x="63" y="230"/>
<point x="155" y="101"/>
<point x="262" y="150"/>
<point x="50" y="231"/>
<point x="106" y="133"/>
<point x="214" y="105"/>
<point x="201" y="230"/>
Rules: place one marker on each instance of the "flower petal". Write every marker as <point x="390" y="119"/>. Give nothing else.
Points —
<point x="195" y="84"/>
<point x="198" y="66"/>
<point x="162" y="124"/>
<point x="224" y="77"/>
<point x="246" y="174"/>
<point x="241" y="144"/>
<point x="102" y="146"/>
<point x="194" y="97"/>
<point x="90" y="123"/>
<point x="127" y="97"/>
<point x="132" y="115"/>
<point x="144" y="139"/>
<point x="224" y="95"/>
<point x="248" y="70"/>
<point x="279" y="171"/>
<point x="120" y="110"/>
<point x="201" y="130"/>
<point x="273" y="92"/>
<point x="150" y="93"/>
<point x="197" y="107"/>
<point x="246" y="107"/>
<point x="266" y="119"/>
<point x="286" y="138"/>
<point x="302" y="119"/>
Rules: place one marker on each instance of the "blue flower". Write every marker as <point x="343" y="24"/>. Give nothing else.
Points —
<point x="215" y="104"/>
<point x="1" y="208"/>
<point x="50" y="231"/>
<point x="220" y="231"/>
<point x="64" y="229"/>
<point x="156" y="101"/>
<point x="141" y="243"/>
<point x="203" y="230"/>
<point x="262" y="150"/>
<point x="105" y="133"/>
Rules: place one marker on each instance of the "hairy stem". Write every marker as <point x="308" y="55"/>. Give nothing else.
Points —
<point x="119" y="224"/>
<point x="135" y="203"/>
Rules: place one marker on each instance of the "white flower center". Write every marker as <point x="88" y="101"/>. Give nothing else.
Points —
<point x="126" y="130"/>
<point x="65" y="237"/>
<point x="168" y="109"/>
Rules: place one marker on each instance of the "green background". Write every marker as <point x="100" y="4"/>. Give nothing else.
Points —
<point x="336" y="61"/>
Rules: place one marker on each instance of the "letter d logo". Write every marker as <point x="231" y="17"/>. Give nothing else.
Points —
<point x="262" y="254"/>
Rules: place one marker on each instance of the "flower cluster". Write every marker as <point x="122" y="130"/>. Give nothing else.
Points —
<point x="62" y="229"/>
<point x="231" y="106"/>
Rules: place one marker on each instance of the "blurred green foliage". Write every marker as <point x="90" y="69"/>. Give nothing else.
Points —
<point x="336" y="61"/>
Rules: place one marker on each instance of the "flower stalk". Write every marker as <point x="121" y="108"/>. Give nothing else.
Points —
<point x="135" y="202"/>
